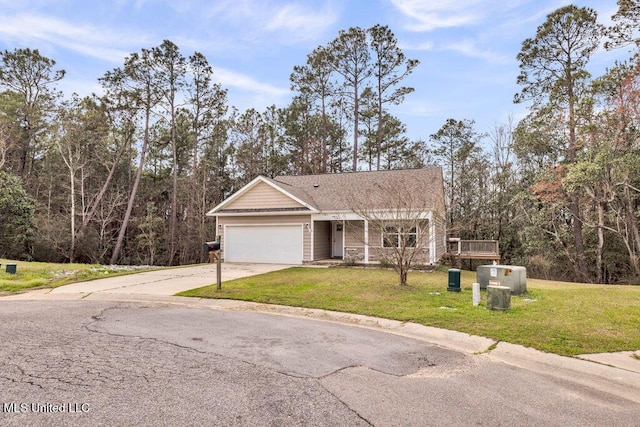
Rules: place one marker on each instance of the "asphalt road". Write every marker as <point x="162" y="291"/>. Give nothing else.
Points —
<point x="89" y="362"/>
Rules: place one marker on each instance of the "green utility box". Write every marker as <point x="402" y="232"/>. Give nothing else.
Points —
<point x="512" y="276"/>
<point x="11" y="268"/>
<point x="454" y="280"/>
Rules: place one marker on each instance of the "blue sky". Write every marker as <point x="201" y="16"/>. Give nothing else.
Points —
<point x="467" y="48"/>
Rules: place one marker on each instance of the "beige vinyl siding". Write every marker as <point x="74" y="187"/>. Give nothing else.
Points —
<point x="321" y="240"/>
<point x="354" y="234"/>
<point x="263" y="196"/>
<point x="266" y="220"/>
<point x="375" y="236"/>
<point x="354" y="243"/>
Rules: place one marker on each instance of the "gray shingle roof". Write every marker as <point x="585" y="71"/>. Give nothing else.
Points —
<point x="333" y="192"/>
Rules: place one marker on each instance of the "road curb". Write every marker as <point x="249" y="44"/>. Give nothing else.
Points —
<point x="454" y="340"/>
<point x="616" y="381"/>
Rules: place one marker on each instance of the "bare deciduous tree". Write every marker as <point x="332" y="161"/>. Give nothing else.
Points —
<point x="404" y="217"/>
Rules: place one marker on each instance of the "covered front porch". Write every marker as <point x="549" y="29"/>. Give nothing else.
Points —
<point x="357" y="240"/>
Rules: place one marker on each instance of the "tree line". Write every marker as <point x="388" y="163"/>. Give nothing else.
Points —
<point x="559" y="189"/>
<point x="127" y="177"/>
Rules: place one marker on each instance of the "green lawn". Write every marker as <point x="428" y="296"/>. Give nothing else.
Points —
<point x="562" y="318"/>
<point x="31" y="275"/>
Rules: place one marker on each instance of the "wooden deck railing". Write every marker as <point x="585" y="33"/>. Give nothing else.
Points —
<point x="474" y="249"/>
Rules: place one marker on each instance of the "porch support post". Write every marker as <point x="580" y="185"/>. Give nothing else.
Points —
<point x="432" y="239"/>
<point x="312" y="238"/>
<point x="366" y="241"/>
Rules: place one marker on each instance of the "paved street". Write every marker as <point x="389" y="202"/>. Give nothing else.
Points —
<point x="122" y="351"/>
<point x="150" y="363"/>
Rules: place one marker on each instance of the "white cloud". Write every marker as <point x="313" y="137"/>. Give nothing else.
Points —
<point x="113" y="45"/>
<point x="304" y="22"/>
<point x="415" y="108"/>
<point x="86" y="40"/>
<point x="471" y="49"/>
<point x="428" y="15"/>
<point x="466" y="47"/>
<point x="275" y="21"/>
<point x="242" y="81"/>
<point x="230" y="9"/>
<point x="81" y="86"/>
<point x="425" y="46"/>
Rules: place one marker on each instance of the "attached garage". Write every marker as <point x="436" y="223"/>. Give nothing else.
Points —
<point x="271" y="244"/>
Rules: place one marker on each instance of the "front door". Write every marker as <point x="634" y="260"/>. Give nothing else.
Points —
<point x="337" y="233"/>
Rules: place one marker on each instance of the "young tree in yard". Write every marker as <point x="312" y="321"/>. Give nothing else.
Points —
<point x="553" y="71"/>
<point x="403" y="217"/>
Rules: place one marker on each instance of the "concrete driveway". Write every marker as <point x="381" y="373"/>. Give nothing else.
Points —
<point x="167" y="281"/>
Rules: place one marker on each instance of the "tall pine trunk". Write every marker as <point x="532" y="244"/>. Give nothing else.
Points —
<point x="136" y="184"/>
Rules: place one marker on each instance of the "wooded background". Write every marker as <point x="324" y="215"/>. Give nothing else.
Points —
<point x="127" y="177"/>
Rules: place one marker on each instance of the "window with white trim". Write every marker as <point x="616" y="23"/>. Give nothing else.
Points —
<point x="397" y="236"/>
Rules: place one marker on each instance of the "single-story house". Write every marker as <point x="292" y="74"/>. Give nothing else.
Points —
<point x="303" y="219"/>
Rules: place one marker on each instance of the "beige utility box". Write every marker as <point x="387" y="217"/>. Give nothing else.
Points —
<point x="512" y="276"/>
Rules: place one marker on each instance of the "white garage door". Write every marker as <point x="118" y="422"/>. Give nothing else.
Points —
<point x="272" y="244"/>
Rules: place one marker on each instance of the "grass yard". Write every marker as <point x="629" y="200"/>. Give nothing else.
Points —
<point x="562" y="318"/>
<point x="32" y="275"/>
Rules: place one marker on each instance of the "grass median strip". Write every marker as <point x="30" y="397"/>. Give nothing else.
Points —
<point x="561" y="318"/>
